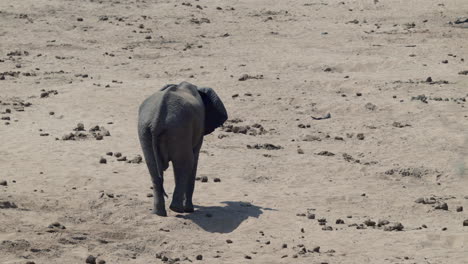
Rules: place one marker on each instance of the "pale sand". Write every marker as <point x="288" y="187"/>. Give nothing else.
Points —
<point x="260" y="190"/>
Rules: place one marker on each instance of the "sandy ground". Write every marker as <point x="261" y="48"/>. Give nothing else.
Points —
<point x="339" y="190"/>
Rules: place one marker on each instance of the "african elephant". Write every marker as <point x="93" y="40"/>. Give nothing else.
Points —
<point x="171" y="126"/>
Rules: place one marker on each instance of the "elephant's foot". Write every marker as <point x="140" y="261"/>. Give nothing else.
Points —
<point x="160" y="212"/>
<point x="177" y="209"/>
<point x="189" y="209"/>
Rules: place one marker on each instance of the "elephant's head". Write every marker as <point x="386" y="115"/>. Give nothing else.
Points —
<point x="215" y="113"/>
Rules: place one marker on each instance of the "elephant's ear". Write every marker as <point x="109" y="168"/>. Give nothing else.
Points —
<point x="167" y="86"/>
<point x="215" y="113"/>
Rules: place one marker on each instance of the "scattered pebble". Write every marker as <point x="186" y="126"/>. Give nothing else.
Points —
<point x="204" y="179"/>
<point x="123" y="158"/>
<point x="3" y="183"/>
<point x="137" y="159"/>
<point x="91" y="259"/>
<point x="360" y="136"/>
<point x="7" y="205"/>
<point x="266" y="146"/>
<point x="102" y="160"/>
<point x="441" y="206"/>
<point x="217" y="180"/>
<point x="326" y="153"/>
<point x="394" y="227"/>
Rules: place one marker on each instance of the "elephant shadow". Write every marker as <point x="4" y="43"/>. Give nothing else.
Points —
<point x="223" y="219"/>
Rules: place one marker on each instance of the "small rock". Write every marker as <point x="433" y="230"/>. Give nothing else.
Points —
<point x="56" y="225"/>
<point x="199" y="257"/>
<point x="204" y="179"/>
<point x="123" y="158"/>
<point x="7" y="205"/>
<point x="217" y="180"/>
<point x="91" y="259"/>
<point x="109" y="153"/>
<point x="3" y="183"/>
<point x="117" y="154"/>
<point x="326" y="153"/>
<point x="137" y="159"/>
<point x="445" y="61"/>
<point x="79" y="127"/>
<point x="101" y="261"/>
<point x="98" y="136"/>
<point x="369" y="223"/>
<point x="247" y="257"/>
<point x="370" y="106"/>
<point x="102" y="160"/>
<point x="339" y="221"/>
<point x="429" y="79"/>
<point x="51" y="113"/>
<point x="383" y="223"/>
<point x="360" y="136"/>
<point x="465" y="223"/>
<point x="149" y="195"/>
<point x="459" y="209"/>
<point x="441" y="206"/>
<point x="229" y="241"/>
<point x="394" y="227"/>
<point x="284" y="245"/>
<point x="300" y="151"/>
<point x="69" y="136"/>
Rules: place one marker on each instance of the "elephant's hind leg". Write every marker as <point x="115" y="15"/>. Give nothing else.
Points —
<point x="183" y="162"/>
<point x="149" y="146"/>
<point x="188" y="206"/>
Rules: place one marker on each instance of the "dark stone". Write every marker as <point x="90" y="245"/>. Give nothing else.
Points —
<point x="3" y="183"/>
<point x="103" y="160"/>
<point x="441" y="206"/>
<point x="79" y="127"/>
<point x="91" y="259"/>
<point x="326" y="153"/>
<point x="199" y="257"/>
<point x="137" y="159"/>
<point x="7" y="205"/>
<point x="217" y="180"/>
<point x="204" y="179"/>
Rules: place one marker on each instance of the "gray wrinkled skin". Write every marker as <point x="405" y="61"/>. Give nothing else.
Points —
<point x="171" y="126"/>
